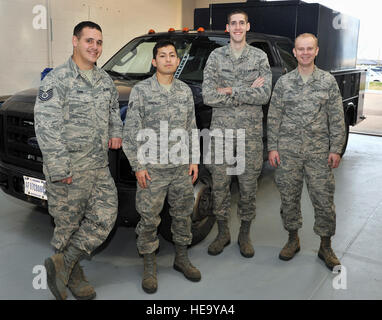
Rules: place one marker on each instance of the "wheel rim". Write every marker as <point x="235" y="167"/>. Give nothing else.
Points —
<point x="203" y="202"/>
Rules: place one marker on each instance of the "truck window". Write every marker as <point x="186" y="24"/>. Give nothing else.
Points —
<point x="134" y="60"/>
<point x="195" y="58"/>
<point x="137" y="60"/>
<point x="287" y="57"/>
<point x="265" y="47"/>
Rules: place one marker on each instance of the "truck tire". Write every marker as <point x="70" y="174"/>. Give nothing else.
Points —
<point x="52" y="221"/>
<point x="347" y="126"/>
<point x="202" y="218"/>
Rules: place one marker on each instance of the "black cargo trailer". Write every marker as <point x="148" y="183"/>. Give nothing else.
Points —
<point x="334" y="30"/>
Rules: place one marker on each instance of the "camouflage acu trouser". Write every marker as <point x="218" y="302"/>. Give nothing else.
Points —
<point x="221" y="195"/>
<point x="177" y="185"/>
<point x="85" y="211"/>
<point x="289" y="177"/>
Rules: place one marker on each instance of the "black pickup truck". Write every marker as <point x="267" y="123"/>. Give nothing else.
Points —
<point x="21" y="160"/>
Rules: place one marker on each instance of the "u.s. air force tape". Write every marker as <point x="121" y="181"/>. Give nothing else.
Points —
<point x="45" y="95"/>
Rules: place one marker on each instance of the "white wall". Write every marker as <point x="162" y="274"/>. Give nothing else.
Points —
<point x="24" y="50"/>
<point x="120" y="21"/>
<point x="188" y="7"/>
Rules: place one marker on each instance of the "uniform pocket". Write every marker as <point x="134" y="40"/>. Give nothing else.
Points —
<point x="154" y="113"/>
<point x="321" y="96"/>
<point x="291" y="108"/>
<point x="226" y="76"/>
<point x="250" y="75"/>
<point x="80" y="123"/>
<point x="106" y="95"/>
<point x="102" y="109"/>
<point x="179" y="118"/>
<point x="80" y="109"/>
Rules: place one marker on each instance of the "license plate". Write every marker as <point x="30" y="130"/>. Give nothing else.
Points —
<point x="35" y="187"/>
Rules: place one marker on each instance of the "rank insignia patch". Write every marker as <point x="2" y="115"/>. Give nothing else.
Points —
<point x="45" y="95"/>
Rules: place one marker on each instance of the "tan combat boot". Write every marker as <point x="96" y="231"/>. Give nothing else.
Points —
<point x="246" y="248"/>
<point x="79" y="286"/>
<point x="327" y="254"/>
<point x="222" y="239"/>
<point x="291" y="247"/>
<point x="149" y="281"/>
<point x="58" y="269"/>
<point x="183" y="264"/>
<point x="57" y="275"/>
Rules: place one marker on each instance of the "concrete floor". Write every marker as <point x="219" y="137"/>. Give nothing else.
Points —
<point x="116" y="272"/>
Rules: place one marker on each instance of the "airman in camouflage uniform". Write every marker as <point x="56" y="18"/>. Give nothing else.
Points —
<point x="155" y="104"/>
<point x="76" y="121"/>
<point x="237" y="82"/>
<point x="306" y="134"/>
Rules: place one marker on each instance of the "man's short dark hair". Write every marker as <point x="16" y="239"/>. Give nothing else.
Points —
<point x="237" y="11"/>
<point x="85" y="24"/>
<point x="162" y="44"/>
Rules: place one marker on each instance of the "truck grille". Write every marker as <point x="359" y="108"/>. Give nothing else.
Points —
<point x="20" y="143"/>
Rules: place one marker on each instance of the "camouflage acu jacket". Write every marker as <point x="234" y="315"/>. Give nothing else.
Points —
<point x="306" y="117"/>
<point x="74" y="120"/>
<point x="242" y="109"/>
<point x="161" y="112"/>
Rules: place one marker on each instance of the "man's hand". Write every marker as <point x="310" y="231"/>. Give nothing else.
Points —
<point x="67" y="180"/>
<point x="274" y="158"/>
<point x="141" y="177"/>
<point x="225" y="90"/>
<point x="259" y="82"/>
<point x="115" y="143"/>
<point x="334" y="160"/>
<point x="193" y="169"/>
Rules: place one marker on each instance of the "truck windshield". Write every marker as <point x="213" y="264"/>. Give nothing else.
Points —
<point x="134" y="60"/>
<point x="285" y="50"/>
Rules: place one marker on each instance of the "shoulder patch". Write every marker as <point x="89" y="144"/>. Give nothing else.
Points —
<point x="45" y="95"/>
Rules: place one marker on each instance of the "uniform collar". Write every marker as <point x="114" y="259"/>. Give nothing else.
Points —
<point x="315" y="75"/>
<point x="76" y="70"/>
<point x="229" y="51"/>
<point x="155" y="85"/>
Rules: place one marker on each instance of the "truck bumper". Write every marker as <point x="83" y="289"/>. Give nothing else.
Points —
<point x="12" y="183"/>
